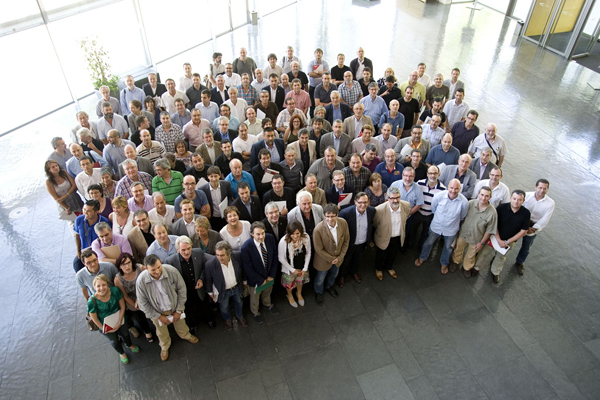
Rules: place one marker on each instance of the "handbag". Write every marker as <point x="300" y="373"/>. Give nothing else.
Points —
<point x="89" y="321"/>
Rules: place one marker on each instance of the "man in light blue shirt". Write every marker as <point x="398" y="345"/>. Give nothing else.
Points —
<point x="375" y="106"/>
<point x="208" y="109"/>
<point x="164" y="245"/>
<point x="182" y="116"/>
<point x="449" y="208"/>
<point x="237" y="175"/>
<point x="412" y="193"/>
<point x="114" y="151"/>
<point x="131" y="92"/>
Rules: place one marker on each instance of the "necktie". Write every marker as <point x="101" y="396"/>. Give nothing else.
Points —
<point x="263" y="250"/>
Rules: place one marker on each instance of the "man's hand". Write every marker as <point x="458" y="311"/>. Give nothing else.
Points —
<point x="478" y="247"/>
<point x="79" y="254"/>
<point x="269" y="279"/>
<point x="531" y="230"/>
<point x="176" y="316"/>
<point x="334" y="262"/>
<point x="199" y="284"/>
<point x="164" y="320"/>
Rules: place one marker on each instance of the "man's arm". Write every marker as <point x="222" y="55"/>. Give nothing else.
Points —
<point x="86" y="293"/>
<point x="78" y="245"/>
<point x="205" y="211"/>
<point x="500" y="161"/>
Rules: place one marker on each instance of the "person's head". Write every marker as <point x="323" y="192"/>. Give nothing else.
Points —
<point x="106" y="176"/>
<point x="348" y="77"/>
<point x="375" y="180"/>
<point x="104" y="232"/>
<point x="243" y="190"/>
<point x="105" y="92"/>
<point x="296" y="122"/>
<point x="149" y="103"/>
<point x="335" y="97"/>
<point x="159" y="202"/>
<point x="435" y="121"/>
<point x="224" y="120"/>
<point x="541" y="188"/>
<point x="296" y="85"/>
<point x="146" y="137"/>
<point x="367" y="73"/>
<point x="517" y="198"/>
<point x="242" y="131"/>
<point x="82" y="118"/>
<point x="135" y="106"/>
<point x="217" y="58"/>
<point x="233" y="95"/>
<point x="95" y="192"/>
<point x="86" y="164"/>
<point x="459" y="95"/>
<point x="464" y="161"/>
<point x="393" y="196"/>
<point x="455" y="74"/>
<point x="137" y="190"/>
<point x="485" y="155"/>
<point x="454" y="187"/>
<point x="152" y="78"/>
<point x="197" y="161"/>
<point x="386" y="130"/>
<point x="162" y="167"/>
<point x="90" y="210"/>
<point x="223" y="252"/>
<point x="89" y="258"/>
<point x="76" y="150"/>
<point x="472" y="116"/>
<point x="245" y="79"/>
<point x="294" y="232"/>
<point x="277" y="183"/>
<point x="189" y="185"/>
<point x="251" y="115"/>
<point x="415" y="157"/>
<point x="202" y="226"/>
<point x="153" y="266"/>
<point x="142" y="123"/>
<point x="438" y="79"/>
<point x="273" y="81"/>
<point x="330" y="155"/>
<point x="187" y="69"/>
<point x="214" y="175"/>
<point x="207" y="135"/>
<point x="235" y="166"/>
<point x="119" y="205"/>
<point x="196" y="80"/>
<point x="303" y="136"/>
<point x="433" y="173"/>
<point x="180" y="106"/>
<point x="373" y="89"/>
<point x="304" y="201"/>
<point x="338" y="178"/>
<point x="361" y="201"/>
<point x="264" y="97"/>
<point x="490" y="131"/>
<point x="285" y="79"/>
<point x="205" y="97"/>
<point x="446" y="142"/>
<point x="161" y="233"/>
<point x="243" y="53"/>
<point x="415" y="133"/>
<point x="165" y="119"/>
<point x="340" y="59"/>
<point x="58" y="144"/>
<point x="412" y="77"/>
<point x="359" y="109"/>
<point x="421" y="68"/>
<point x="291" y="104"/>
<point x="408" y="93"/>
<point x="226" y="147"/>
<point x="390" y="157"/>
<point x="394" y="106"/>
<point x="331" y="212"/>
<point x="408" y="176"/>
<point x="170" y="84"/>
<point x="295" y="67"/>
<point x="142" y="220"/>
<point x="318" y="54"/>
<point x="355" y="163"/>
<point x="125" y="263"/>
<point x="269" y="135"/>
<point x="311" y="182"/>
<point x="131" y="169"/>
<point x="436" y="105"/>
<point x="484" y="196"/>
<point x="264" y="157"/>
<point x="101" y="285"/>
<point x="366" y="132"/>
<point x="221" y="82"/>
<point x="114" y="137"/>
<point x="258" y="231"/>
<point x="495" y="176"/>
<point x="337" y="127"/>
<point x="183" y="245"/>
<point x="390" y="80"/>
<point x="326" y="79"/>
<point x="370" y="153"/>
<point x="232" y="215"/>
<point x="130" y="152"/>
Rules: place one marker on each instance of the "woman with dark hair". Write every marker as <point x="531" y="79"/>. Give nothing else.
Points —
<point x="106" y="302"/>
<point x="376" y="190"/>
<point x="236" y="232"/>
<point x="96" y="193"/>
<point x="150" y="106"/>
<point x="126" y="280"/>
<point x="294" y="256"/>
<point x="61" y="187"/>
<point x="183" y="154"/>
<point x="291" y="132"/>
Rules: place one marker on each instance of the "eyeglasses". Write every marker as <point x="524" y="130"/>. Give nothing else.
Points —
<point x="394" y="198"/>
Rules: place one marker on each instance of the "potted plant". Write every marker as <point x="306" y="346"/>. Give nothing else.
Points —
<point x="97" y="63"/>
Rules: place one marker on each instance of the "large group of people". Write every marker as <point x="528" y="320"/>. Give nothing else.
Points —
<point x="185" y="198"/>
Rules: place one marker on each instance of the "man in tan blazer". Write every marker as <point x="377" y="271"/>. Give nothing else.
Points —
<point x="304" y="143"/>
<point x="140" y="237"/>
<point x="390" y="230"/>
<point x="210" y="149"/>
<point x="331" y="238"/>
<point x="350" y="122"/>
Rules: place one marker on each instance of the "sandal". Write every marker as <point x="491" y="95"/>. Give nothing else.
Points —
<point x="444" y="269"/>
<point x="134" y="349"/>
<point x="150" y="338"/>
<point x="124" y="360"/>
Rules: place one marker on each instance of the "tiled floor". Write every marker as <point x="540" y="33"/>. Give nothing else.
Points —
<point x="422" y="336"/>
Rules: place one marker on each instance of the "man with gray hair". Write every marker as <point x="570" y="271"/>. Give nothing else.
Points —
<point x="60" y="154"/>
<point x="131" y="176"/>
<point x="83" y="120"/>
<point x="72" y="164"/>
<point x="449" y="207"/>
<point x="161" y="295"/>
<point x="107" y="98"/>
<point x="374" y="105"/>
<point x="236" y="105"/>
<point x="465" y="176"/>
<point x="114" y="151"/>
<point x="92" y="268"/>
<point x="307" y="213"/>
<point x="106" y="238"/>
<point x="130" y="92"/>
<point x="143" y="164"/>
<point x="88" y="142"/>
<point x="274" y="222"/>
<point x="324" y="167"/>
<point x="482" y="164"/>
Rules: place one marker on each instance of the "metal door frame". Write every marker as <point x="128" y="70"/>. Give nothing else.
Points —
<point x="595" y="35"/>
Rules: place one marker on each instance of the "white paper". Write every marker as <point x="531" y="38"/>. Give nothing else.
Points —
<point x="268" y="176"/>
<point x="501" y="250"/>
<point x="201" y="182"/>
<point x="319" y="68"/>
<point x="67" y="217"/>
<point x="406" y="150"/>
<point x="346" y="201"/>
<point x="223" y="206"/>
<point x="170" y="318"/>
<point x="111" y="321"/>
<point x="441" y="167"/>
<point x="280" y="205"/>
<point x="260" y="114"/>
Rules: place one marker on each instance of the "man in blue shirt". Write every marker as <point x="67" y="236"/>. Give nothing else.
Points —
<point x="131" y="92"/>
<point x="237" y="175"/>
<point x="389" y="169"/>
<point x="84" y="229"/>
<point x="375" y="106"/>
<point x="412" y="193"/>
<point x="443" y="153"/>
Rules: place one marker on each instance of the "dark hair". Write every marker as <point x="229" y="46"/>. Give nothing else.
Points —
<point x="519" y="192"/>
<point x="206" y="92"/>
<point x="150" y="260"/>
<point x="140" y="120"/>
<point x="122" y="258"/>
<point x="61" y="172"/>
<point x="216" y="55"/>
<point x="213" y="170"/>
<point x="257" y="224"/>
<point x="148" y="99"/>
<point x="331" y="208"/>
<point x="93" y="203"/>
<point x="243" y="185"/>
<point x="86" y="158"/>
<point x="461" y="90"/>
<point x="542" y="180"/>
<point x="291" y="228"/>
<point x="97" y="187"/>
<point x="264" y="152"/>
<point x="265" y="120"/>
<point x="473" y="112"/>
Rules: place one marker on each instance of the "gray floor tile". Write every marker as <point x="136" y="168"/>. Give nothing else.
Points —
<point x="248" y="385"/>
<point x="231" y="354"/>
<point x="419" y="329"/>
<point x="421" y="388"/>
<point x="404" y="358"/>
<point x="594" y="347"/>
<point x="449" y="299"/>
<point x="588" y="382"/>
<point x="153" y="382"/>
<point x="22" y="385"/>
<point x="362" y="344"/>
<point x="480" y="340"/>
<point x="281" y="391"/>
<point x="309" y="375"/>
<point x="345" y="306"/>
<point x="60" y="389"/>
<point x="310" y="331"/>
<point x="384" y="383"/>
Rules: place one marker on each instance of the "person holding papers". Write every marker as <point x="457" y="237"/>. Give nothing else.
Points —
<point x="260" y="262"/>
<point x="338" y="194"/>
<point x="294" y="255"/>
<point x="218" y="192"/>
<point x="103" y="306"/>
<point x="264" y="171"/>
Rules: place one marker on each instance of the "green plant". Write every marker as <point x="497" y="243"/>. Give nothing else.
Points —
<point x="97" y="63"/>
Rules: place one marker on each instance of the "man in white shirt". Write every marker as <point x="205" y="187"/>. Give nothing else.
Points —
<point x="231" y="78"/>
<point x="500" y="192"/>
<point x="168" y="98"/>
<point x="492" y="140"/>
<point x="541" y="207"/>
<point x="237" y="106"/>
<point x="87" y="177"/>
<point x="162" y="212"/>
<point x="456" y="109"/>
<point x="185" y="82"/>
<point x="243" y="143"/>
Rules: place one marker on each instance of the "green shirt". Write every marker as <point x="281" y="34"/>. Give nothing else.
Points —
<point x="170" y="190"/>
<point x="105" y="309"/>
<point x="478" y="223"/>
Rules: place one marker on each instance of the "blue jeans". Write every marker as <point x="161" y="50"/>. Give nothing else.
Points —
<point x="234" y="294"/>
<point x="525" y="246"/>
<point x="328" y="275"/>
<point x="446" y="252"/>
<point x="77" y="264"/>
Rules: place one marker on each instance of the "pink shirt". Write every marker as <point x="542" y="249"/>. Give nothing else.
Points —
<point x="302" y="99"/>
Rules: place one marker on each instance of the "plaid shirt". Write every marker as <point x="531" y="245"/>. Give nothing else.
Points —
<point x="168" y="139"/>
<point x="350" y="96"/>
<point x="360" y="182"/>
<point x="124" y="185"/>
<point x="251" y="96"/>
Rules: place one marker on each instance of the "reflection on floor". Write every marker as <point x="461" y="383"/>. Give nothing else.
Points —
<point x="422" y="336"/>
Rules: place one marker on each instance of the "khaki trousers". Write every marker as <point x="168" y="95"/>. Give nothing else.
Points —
<point x="470" y="257"/>
<point x="265" y="295"/>
<point x="497" y="262"/>
<point x="164" y="339"/>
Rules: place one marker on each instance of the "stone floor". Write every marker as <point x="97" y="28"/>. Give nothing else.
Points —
<point x="422" y="336"/>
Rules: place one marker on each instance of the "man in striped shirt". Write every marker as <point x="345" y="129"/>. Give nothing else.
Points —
<point x="423" y="216"/>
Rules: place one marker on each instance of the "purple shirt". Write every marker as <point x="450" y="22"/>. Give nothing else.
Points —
<point x="148" y="204"/>
<point x="118" y="240"/>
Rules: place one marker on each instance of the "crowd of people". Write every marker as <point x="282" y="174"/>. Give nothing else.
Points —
<point x="184" y="197"/>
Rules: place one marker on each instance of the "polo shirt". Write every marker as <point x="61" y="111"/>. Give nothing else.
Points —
<point x="170" y="190"/>
<point x="478" y="222"/>
<point x="324" y="95"/>
<point x="86" y="232"/>
<point x="85" y="278"/>
<point x="437" y="156"/>
<point x="160" y="251"/>
<point x="462" y="137"/>
<point x="428" y="194"/>
<point x="246" y="177"/>
<point x="389" y="177"/>
<point x="199" y="201"/>
<point x="511" y="223"/>
<point x="414" y="195"/>
<point x="455" y="112"/>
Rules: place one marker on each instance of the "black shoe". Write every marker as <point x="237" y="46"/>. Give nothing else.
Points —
<point x="273" y="310"/>
<point x="520" y="268"/>
<point x="211" y="325"/>
<point x="319" y="298"/>
<point x="496" y="278"/>
<point x="333" y="292"/>
<point x="474" y="272"/>
<point x="258" y="319"/>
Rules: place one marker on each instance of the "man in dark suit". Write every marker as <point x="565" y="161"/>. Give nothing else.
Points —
<point x="344" y="149"/>
<point x="339" y="187"/>
<point x="280" y="193"/>
<point x="190" y="264"/>
<point x="249" y="206"/>
<point x="274" y="88"/>
<point x="153" y="88"/>
<point x="336" y="105"/>
<point x="259" y="170"/>
<point x="216" y="190"/>
<point x="482" y="164"/>
<point x="269" y="142"/>
<point x="275" y="223"/>
<point x="260" y="263"/>
<point x="360" y="63"/>
<point x="223" y="131"/>
<point x="217" y="92"/>
<point x="228" y="285"/>
<point x="360" y="224"/>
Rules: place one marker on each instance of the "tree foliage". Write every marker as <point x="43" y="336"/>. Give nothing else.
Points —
<point x="97" y="63"/>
